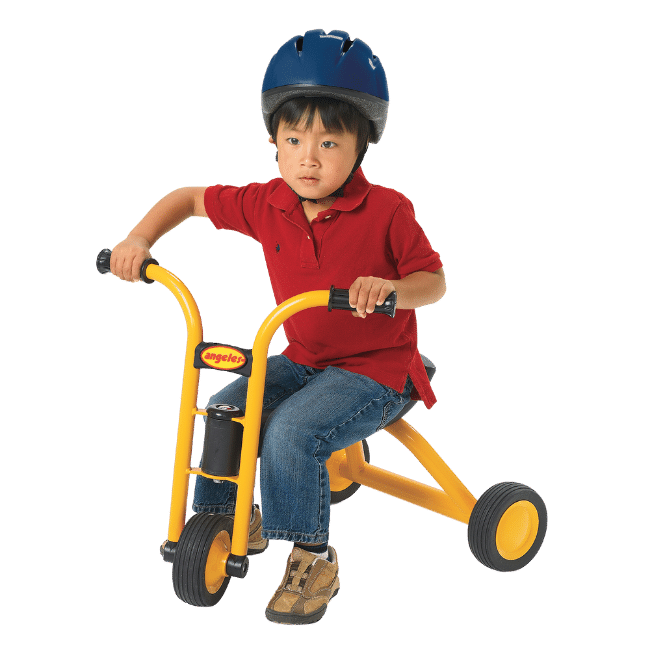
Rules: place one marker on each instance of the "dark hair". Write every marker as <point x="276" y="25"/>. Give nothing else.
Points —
<point x="337" y="116"/>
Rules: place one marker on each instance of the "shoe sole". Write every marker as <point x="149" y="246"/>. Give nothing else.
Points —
<point x="287" y="618"/>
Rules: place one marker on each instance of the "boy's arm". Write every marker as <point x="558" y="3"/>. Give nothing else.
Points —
<point x="128" y="255"/>
<point x="415" y="290"/>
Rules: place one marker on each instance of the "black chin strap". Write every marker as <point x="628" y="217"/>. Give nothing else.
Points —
<point x="340" y="191"/>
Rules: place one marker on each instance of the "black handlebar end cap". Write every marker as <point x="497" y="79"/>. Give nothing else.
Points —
<point x="390" y="305"/>
<point x="104" y="261"/>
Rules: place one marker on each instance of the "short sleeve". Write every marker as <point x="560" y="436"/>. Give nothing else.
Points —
<point x="233" y="208"/>
<point x="408" y="245"/>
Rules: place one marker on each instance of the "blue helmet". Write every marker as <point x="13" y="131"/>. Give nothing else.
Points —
<point x="327" y="65"/>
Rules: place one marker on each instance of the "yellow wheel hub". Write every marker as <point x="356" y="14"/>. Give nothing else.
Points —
<point x="517" y="530"/>
<point x="215" y="567"/>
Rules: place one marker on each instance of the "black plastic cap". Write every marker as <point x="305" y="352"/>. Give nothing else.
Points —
<point x="237" y="566"/>
<point x="168" y="551"/>
<point x="104" y="261"/>
<point x="224" y="412"/>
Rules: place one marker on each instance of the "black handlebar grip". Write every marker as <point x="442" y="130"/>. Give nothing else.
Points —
<point x="104" y="265"/>
<point x="340" y="299"/>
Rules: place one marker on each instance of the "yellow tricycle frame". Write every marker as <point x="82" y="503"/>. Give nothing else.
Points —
<point x="453" y="500"/>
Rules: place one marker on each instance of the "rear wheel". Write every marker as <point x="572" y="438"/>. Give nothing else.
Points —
<point x="342" y="488"/>
<point x="507" y="526"/>
<point x="199" y="571"/>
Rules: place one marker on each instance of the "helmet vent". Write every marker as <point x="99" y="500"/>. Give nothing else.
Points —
<point x="346" y="46"/>
<point x="299" y="44"/>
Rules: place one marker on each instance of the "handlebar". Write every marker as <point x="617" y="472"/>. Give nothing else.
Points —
<point x="339" y="299"/>
<point x="104" y="265"/>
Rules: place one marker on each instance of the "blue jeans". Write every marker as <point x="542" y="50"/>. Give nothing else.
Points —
<point x="315" y="412"/>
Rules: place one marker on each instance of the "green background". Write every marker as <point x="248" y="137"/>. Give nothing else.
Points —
<point x="518" y="130"/>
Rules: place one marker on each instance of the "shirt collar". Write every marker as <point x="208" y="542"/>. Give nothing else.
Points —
<point x="284" y="198"/>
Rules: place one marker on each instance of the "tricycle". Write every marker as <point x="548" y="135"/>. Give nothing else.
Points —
<point x="506" y="525"/>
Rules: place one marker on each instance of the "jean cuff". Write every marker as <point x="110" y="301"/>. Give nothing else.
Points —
<point x="215" y="510"/>
<point x="287" y="536"/>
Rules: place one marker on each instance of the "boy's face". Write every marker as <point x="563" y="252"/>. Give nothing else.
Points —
<point x="313" y="162"/>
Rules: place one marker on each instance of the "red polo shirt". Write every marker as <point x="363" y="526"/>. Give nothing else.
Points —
<point x="370" y="231"/>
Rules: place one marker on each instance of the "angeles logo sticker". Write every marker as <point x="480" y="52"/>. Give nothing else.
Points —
<point x="223" y="358"/>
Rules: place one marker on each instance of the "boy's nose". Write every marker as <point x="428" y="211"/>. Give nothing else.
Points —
<point x="309" y="156"/>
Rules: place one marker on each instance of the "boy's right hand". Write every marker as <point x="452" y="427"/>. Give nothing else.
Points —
<point x="127" y="258"/>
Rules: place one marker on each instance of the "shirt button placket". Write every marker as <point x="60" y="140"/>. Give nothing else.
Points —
<point x="308" y="253"/>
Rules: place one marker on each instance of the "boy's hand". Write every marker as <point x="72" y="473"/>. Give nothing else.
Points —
<point x="367" y="293"/>
<point x="127" y="258"/>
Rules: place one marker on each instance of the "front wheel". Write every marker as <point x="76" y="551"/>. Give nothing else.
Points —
<point x="199" y="571"/>
<point x="507" y="526"/>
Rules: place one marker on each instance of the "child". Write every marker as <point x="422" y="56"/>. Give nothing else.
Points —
<point x="340" y="379"/>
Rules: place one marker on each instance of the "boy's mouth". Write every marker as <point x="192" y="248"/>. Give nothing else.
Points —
<point x="309" y="179"/>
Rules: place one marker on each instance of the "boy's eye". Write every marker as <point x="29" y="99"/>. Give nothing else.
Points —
<point x="328" y="144"/>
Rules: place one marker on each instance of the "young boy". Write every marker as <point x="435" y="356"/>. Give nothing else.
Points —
<point x="341" y="378"/>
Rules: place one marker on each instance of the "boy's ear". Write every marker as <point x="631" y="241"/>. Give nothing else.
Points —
<point x="271" y="140"/>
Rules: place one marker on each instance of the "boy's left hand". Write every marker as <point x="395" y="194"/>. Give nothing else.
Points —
<point x="367" y="293"/>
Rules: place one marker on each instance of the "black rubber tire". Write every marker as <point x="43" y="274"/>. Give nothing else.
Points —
<point x="342" y="495"/>
<point x="191" y="555"/>
<point x="484" y="520"/>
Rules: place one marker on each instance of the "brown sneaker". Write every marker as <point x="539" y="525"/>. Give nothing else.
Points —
<point x="308" y="585"/>
<point x="256" y="544"/>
